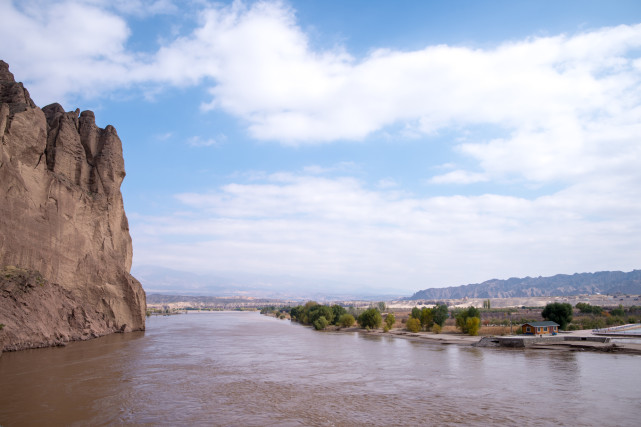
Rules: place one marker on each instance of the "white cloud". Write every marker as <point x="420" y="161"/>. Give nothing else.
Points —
<point x="459" y="177"/>
<point x="560" y="100"/>
<point x="337" y="229"/>
<point x="197" y="141"/>
<point x="386" y="183"/>
<point x="64" y="48"/>
<point x="266" y="72"/>
<point x="340" y="167"/>
<point x="566" y="111"/>
<point x="140" y="8"/>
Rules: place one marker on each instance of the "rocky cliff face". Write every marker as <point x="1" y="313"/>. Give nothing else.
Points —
<point x="62" y="220"/>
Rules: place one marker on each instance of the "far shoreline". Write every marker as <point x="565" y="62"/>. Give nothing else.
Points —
<point x="472" y="341"/>
<point x="462" y="340"/>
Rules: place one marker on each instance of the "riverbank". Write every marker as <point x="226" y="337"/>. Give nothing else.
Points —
<point x="581" y="340"/>
<point x="572" y="341"/>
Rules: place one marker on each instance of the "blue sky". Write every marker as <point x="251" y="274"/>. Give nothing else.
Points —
<point x="357" y="146"/>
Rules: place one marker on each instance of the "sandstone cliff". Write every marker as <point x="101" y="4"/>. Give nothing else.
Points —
<point x="65" y="249"/>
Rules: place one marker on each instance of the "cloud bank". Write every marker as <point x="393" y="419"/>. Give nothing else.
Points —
<point x="337" y="229"/>
<point x="565" y="111"/>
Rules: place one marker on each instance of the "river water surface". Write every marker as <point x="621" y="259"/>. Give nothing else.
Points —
<point x="244" y="369"/>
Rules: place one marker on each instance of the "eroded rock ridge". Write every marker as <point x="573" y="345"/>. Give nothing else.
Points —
<point x="65" y="248"/>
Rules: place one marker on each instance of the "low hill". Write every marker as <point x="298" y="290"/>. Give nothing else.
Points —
<point x="602" y="282"/>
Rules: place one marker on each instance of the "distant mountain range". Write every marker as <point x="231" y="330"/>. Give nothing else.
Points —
<point x="602" y="282"/>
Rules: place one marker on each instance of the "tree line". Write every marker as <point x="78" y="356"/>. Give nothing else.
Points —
<point x="321" y="316"/>
<point x="591" y="316"/>
<point x="467" y="320"/>
<point x="427" y="319"/>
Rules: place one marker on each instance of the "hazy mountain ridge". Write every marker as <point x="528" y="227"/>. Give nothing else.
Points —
<point x="603" y="282"/>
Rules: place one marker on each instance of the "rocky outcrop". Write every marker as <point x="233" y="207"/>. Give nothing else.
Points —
<point x="61" y="219"/>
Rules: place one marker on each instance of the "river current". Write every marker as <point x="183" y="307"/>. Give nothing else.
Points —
<point x="244" y="369"/>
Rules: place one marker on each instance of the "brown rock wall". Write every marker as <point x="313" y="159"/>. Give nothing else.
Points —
<point x="62" y="216"/>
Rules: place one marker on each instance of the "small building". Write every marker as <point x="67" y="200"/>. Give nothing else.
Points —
<point x="540" y="328"/>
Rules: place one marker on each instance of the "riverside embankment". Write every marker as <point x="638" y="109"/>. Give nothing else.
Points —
<point x="584" y="340"/>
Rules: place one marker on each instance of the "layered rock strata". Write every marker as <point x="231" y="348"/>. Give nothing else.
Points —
<point x="65" y="248"/>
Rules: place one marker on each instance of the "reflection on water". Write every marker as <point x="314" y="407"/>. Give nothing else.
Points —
<point x="246" y="369"/>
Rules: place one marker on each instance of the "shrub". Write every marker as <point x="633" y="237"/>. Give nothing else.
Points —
<point x="439" y="314"/>
<point x="389" y="321"/>
<point x="370" y="318"/>
<point x="462" y="320"/>
<point x="618" y="311"/>
<point x="472" y="325"/>
<point x="346" y="320"/>
<point x="589" y="309"/>
<point x="338" y="311"/>
<point x="321" y="323"/>
<point x="385" y="328"/>
<point x="591" y="322"/>
<point x="413" y="324"/>
<point x="319" y="311"/>
<point x="436" y="328"/>
<point x="427" y="317"/>
<point x="614" y="320"/>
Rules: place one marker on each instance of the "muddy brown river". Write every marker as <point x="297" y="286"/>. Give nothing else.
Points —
<point x="244" y="369"/>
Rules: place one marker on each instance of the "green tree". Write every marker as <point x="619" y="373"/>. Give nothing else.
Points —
<point x="463" y="316"/>
<point x="319" y="311"/>
<point x="589" y="309"/>
<point x="304" y="313"/>
<point x="346" y="320"/>
<point x="619" y="311"/>
<point x="381" y="306"/>
<point x="473" y="312"/>
<point x="390" y="320"/>
<point x="584" y="307"/>
<point x="472" y="324"/>
<point x="321" y="323"/>
<point x="370" y="318"/>
<point x="439" y="314"/>
<point x="413" y="324"/>
<point x="427" y="318"/>
<point x="416" y="313"/>
<point x="560" y="313"/>
<point x="295" y="312"/>
<point x="338" y="311"/>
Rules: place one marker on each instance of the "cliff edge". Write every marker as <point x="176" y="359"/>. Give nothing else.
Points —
<point x="65" y="248"/>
